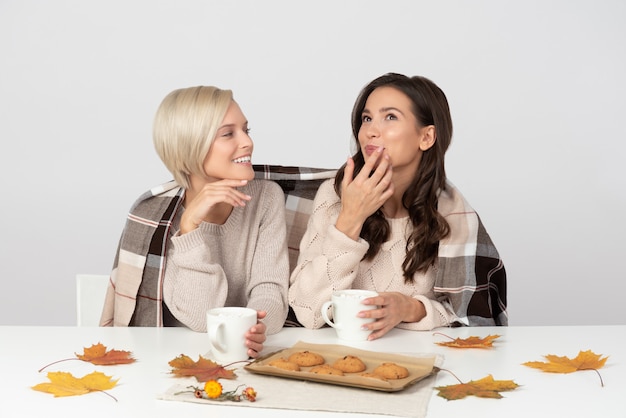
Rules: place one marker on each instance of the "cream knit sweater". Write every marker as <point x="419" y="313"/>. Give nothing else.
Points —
<point x="329" y="260"/>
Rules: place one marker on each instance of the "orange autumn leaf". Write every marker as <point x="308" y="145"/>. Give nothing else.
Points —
<point x="65" y="384"/>
<point x="203" y="369"/>
<point x="98" y="354"/>
<point x="469" y="342"/>
<point x="486" y="387"/>
<point x="585" y="360"/>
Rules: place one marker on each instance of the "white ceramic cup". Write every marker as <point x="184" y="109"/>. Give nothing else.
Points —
<point x="227" y="327"/>
<point x="346" y="304"/>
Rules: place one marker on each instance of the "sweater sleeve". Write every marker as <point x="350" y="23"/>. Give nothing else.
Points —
<point x="328" y="260"/>
<point x="195" y="280"/>
<point x="269" y="279"/>
<point x="438" y="314"/>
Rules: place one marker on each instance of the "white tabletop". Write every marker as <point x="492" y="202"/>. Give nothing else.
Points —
<point x="24" y="350"/>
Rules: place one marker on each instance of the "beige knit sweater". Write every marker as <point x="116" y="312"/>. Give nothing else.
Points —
<point x="243" y="262"/>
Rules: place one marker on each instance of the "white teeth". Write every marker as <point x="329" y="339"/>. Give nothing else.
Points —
<point x="242" y="160"/>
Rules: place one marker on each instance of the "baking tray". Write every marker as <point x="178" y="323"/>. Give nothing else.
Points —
<point x="419" y="367"/>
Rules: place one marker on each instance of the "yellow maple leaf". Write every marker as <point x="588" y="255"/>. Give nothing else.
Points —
<point x="585" y="360"/>
<point x="487" y="387"/>
<point x="65" y="384"/>
<point x="469" y="342"/>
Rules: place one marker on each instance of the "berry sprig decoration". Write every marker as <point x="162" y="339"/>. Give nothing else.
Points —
<point x="214" y="391"/>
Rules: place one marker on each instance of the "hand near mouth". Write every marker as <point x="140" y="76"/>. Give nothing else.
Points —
<point x="364" y="194"/>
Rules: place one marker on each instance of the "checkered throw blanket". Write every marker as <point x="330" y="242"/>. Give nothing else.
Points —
<point x="135" y="295"/>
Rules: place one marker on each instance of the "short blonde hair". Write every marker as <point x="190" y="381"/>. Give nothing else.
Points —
<point x="184" y="127"/>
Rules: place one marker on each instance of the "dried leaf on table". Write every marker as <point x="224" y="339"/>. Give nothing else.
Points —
<point x="469" y="342"/>
<point x="65" y="384"/>
<point x="486" y="387"/>
<point x="203" y="369"/>
<point x="585" y="360"/>
<point x="98" y="354"/>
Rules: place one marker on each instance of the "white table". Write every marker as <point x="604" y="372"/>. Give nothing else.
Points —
<point x="24" y="350"/>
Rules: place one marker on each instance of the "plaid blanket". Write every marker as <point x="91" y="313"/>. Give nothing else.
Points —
<point x="135" y="292"/>
<point x="476" y="291"/>
<point x="470" y="273"/>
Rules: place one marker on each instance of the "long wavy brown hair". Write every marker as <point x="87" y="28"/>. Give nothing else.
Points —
<point x="430" y="107"/>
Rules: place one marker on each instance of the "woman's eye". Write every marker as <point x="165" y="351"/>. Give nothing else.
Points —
<point x="247" y="131"/>
<point x="365" y="118"/>
<point x="391" y="116"/>
<point x="227" y="134"/>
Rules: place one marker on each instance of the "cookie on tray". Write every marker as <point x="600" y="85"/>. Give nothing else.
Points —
<point x="306" y="358"/>
<point x="326" y="369"/>
<point x="283" y="363"/>
<point x="349" y="364"/>
<point x="391" y="371"/>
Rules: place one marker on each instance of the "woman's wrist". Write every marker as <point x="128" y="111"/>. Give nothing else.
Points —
<point x="417" y="310"/>
<point x="348" y="227"/>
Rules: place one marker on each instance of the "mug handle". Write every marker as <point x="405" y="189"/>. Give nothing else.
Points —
<point x="324" y="312"/>
<point x="214" y="337"/>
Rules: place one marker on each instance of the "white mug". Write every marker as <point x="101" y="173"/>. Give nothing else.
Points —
<point x="346" y="305"/>
<point x="227" y="327"/>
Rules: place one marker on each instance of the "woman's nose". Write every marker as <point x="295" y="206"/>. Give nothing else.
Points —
<point x="246" y="142"/>
<point x="371" y="129"/>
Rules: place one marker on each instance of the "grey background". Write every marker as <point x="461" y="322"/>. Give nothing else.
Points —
<point x="536" y="88"/>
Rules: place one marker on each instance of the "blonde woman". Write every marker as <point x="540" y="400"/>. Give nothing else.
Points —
<point x="212" y="237"/>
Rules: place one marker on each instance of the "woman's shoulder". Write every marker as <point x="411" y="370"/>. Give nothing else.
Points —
<point x="327" y="203"/>
<point x="264" y="187"/>
<point x="328" y="185"/>
<point x="326" y="197"/>
<point x="265" y="194"/>
<point x="327" y="191"/>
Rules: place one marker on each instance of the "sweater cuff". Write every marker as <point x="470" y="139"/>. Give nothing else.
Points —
<point x="188" y="241"/>
<point x="433" y="319"/>
<point x="344" y="243"/>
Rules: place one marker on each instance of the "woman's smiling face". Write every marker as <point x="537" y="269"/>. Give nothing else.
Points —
<point x="230" y="155"/>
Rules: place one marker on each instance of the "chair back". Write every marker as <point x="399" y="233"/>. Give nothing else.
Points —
<point x="90" y="293"/>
